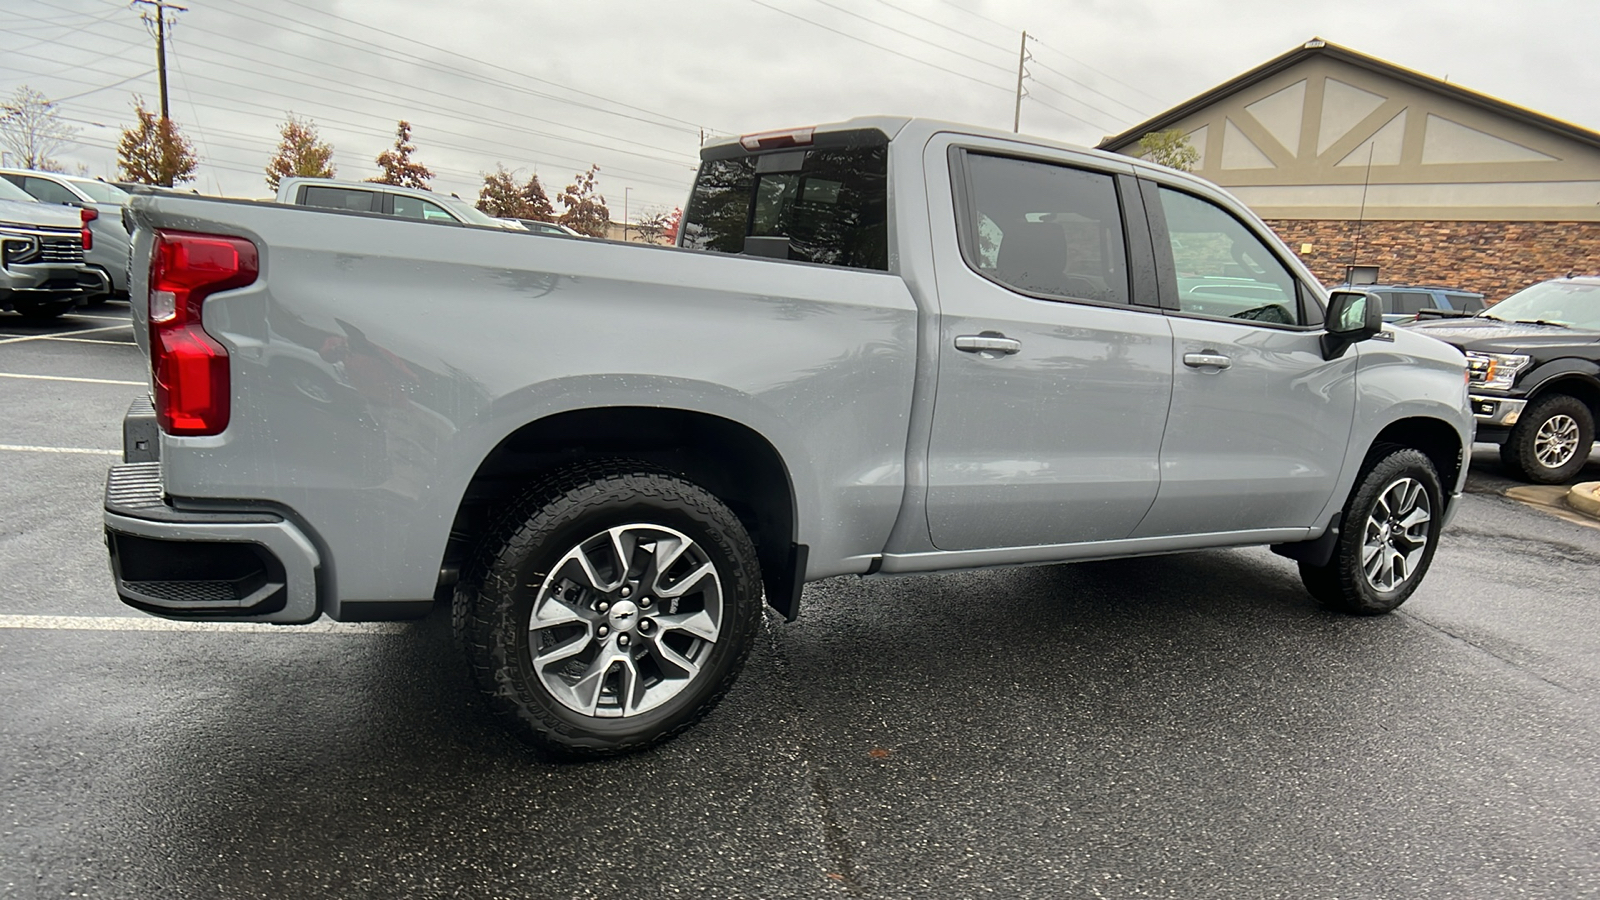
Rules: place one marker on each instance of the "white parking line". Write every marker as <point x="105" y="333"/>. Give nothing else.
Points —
<point x="28" y="448"/>
<point x="129" y="623"/>
<point x="70" y="378"/>
<point x="45" y="337"/>
<point x="92" y="341"/>
<point x="122" y="319"/>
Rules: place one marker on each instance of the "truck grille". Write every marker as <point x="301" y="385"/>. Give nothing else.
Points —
<point x="61" y="250"/>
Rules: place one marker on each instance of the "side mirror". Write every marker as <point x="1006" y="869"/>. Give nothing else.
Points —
<point x="1353" y="316"/>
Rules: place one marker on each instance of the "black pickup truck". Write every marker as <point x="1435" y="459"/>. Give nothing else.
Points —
<point x="1533" y="362"/>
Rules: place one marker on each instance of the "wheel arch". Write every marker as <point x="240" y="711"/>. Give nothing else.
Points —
<point x="1434" y="438"/>
<point x="1580" y="383"/>
<point x="730" y="459"/>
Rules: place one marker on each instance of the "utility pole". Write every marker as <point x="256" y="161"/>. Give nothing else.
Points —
<point x="1022" y="59"/>
<point x="625" y="212"/>
<point x="160" y="31"/>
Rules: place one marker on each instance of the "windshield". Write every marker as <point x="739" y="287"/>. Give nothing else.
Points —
<point x="9" y="191"/>
<point x="1570" y="303"/>
<point x="100" y="192"/>
<point x="469" y="212"/>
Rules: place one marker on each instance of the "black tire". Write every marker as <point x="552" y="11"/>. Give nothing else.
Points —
<point x="42" y="312"/>
<point x="571" y="515"/>
<point x="1558" y="428"/>
<point x="1345" y="583"/>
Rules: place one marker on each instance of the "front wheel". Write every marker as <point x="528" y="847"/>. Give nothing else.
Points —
<point x="611" y="610"/>
<point x="1388" y="534"/>
<point x="1551" y="441"/>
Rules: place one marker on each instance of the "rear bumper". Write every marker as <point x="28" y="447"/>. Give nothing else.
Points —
<point x="201" y="564"/>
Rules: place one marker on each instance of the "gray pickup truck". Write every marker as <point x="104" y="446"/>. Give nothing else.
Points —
<point x="885" y="346"/>
<point x="42" y="270"/>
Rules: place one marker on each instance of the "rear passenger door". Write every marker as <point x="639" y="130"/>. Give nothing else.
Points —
<point x="1055" y="365"/>
<point x="1260" y="421"/>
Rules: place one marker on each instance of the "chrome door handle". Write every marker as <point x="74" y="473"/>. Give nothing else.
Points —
<point x="987" y="343"/>
<point x="1201" y="360"/>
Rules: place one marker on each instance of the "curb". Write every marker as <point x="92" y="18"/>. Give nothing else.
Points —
<point x="1584" y="499"/>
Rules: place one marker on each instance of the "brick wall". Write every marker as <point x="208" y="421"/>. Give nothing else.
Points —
<point x="1493" y="258"/>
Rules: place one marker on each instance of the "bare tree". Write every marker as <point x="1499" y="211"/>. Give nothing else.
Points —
<point x="652" y="224"/>
<point x="32" y="130"/>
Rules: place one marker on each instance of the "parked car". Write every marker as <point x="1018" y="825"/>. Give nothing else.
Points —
<point x="42" y="269"/>
<point x="1402" y="302"/>
<point x="107" y="240"/>
<point x="538" y="227"/>
<point x="388" y="199"/>
<point x="867" y="356"/>
<point x="1534" y="363"/>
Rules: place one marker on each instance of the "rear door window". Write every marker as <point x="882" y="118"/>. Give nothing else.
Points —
<point x="48" y="191"/>
<point x="1472" y="303"/>
<point x="1045" y="229"/>
<point x="1412" y="302"/>
<point x="824" y="204"/>
<point x="338" y="198"/>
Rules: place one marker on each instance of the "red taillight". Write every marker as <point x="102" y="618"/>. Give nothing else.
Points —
<point x="190" y="367"/>
<point x="88" y="215"/>
<point x="770" y="140"/>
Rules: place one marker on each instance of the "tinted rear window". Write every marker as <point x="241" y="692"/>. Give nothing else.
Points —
<point x="337" y="198"/>
<point x="824" y="205"/>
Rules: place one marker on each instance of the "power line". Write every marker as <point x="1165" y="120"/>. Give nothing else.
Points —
<point x="160" y="32"/>
<point x="1091" y="90"/>
<point x="908" y="34"/>
<point x="952" y="30"/>
<point x="879" y="46"/>
<point x="1106" y="75"/>
<point x="452" y="112"/>
<point x="692" y="125"/>
<point x="649" y="178"/>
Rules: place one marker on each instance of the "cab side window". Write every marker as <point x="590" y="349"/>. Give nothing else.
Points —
<point x="1047" y="230"/>
<point x="417" y="208"/>
<point x="1224" y="269"/>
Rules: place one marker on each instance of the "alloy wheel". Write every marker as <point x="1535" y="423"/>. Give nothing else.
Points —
<point x="625" y="620"/>
<point x="1556" y="441"/>
<point x="1396" y="534"/>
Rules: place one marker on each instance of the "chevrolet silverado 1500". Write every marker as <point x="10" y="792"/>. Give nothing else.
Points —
<point x="881" y="347"/>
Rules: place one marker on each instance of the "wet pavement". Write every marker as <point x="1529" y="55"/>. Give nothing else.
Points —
<point x="1186" y="726"/>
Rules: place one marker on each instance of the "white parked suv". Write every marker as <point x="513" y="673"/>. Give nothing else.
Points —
<point x="388" y="199"/>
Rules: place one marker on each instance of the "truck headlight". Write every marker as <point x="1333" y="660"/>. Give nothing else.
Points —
<point x="1496" y="371"/>
<point x="17" y="248"/>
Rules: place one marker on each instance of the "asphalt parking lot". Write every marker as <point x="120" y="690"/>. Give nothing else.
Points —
<point x="1188" y="726"/>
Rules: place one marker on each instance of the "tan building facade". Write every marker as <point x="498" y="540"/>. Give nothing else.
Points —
<point x="1353" y="159"/>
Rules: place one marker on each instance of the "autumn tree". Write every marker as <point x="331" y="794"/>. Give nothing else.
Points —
<point x="502" y="197"/>
<point x="1170" y="148"/>
<point x="398" y="168"/>
<point x="154" y="151"/>
<point x="652" y="224"/>
<point x="671" y="230"/>
<point x="301" y="154"/>
<point x="583" y="208"/>
<point x="32" y="130"/>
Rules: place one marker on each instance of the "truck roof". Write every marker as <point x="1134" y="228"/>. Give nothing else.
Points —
<point x="893" y="127"/>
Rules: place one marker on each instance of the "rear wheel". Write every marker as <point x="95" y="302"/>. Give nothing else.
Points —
<point x="1390" y="529"/>
<point x="611" y="610"/>
<point x="1551" y="441"/>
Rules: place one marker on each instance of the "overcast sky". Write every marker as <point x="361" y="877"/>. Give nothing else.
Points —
<point x="552" y="87"/>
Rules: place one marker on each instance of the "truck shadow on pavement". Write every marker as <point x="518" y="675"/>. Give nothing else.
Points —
<point x="367" y="766"/>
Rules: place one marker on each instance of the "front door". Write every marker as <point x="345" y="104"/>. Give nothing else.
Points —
<point x="1260" y="421"/>
<point x="1053" y="380"/>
